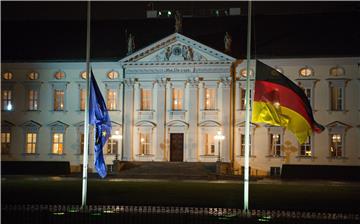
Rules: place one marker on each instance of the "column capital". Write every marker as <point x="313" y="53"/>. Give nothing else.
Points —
<point x="225" y="81"/>
<point x="129" y="82"/>
<point x="193" y="82"/>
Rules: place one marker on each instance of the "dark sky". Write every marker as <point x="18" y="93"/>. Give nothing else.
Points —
<point x="56" y="30"/>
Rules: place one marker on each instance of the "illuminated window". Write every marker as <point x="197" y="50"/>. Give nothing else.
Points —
<point x="242" y="99"/>
<point x="112" y="75"/>
<point x="145" y="99"/>
<point x="31" y="143"/>
<point x="210" y="99"/>
<point x="6" y="100"/>
<point x="33" y="99"/>
<point x="242" y="149"/>
<point x="243" y="72"/>
<point x="275" y="144"/>
<point x="306" y="72"/>
<point x="33" y="76"/>
<point x="111" y="99"/>
<point x="112" y="146"/>
<point x="336" y="146"/>
<point x="145" y="143"/>
<point x="337" y="71"/>
<point x="59" y="75"/>
<point x="59" y="100"/>
<point x="305" y="149"/>
<point x="7" y="76"/>
<point x="57" y="143"/>
<point x="5" y="142"/>
<point x="82" y="99"/>
<point x="83" y="75"/>
<point x="177" y="99"/>
<point x="209" y="144"/>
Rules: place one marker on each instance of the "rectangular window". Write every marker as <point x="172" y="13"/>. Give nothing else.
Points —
<point x="112" y="146"/>
<point x="305" y="149"/>
<point x="145" y="143"/>
<point x="336" y="146"/>
<point x="59" y="100"/>
<point x="209" y="144"/>
<point x="242" y="152"/>
<point x="111" y="99"/>
<point x="30" y="143"/>
<point x="337" y="94"/>
<point x="33" y="96"/>
<point x="145" y="99"/>
<point x="177" y="99"/>
<point x="242" y="99"/>
<point x="82" y="99"/>
<point x="275" y="144"/>
<point x="57" y="143"/>
<point x="5" y="142"/>
<point x="6" y="99"/>
<point x="210" y="99"/>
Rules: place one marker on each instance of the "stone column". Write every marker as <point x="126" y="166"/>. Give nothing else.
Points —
<point x="193" y="110"/>
<point x="225" y="108"/>
<point x="160" y="108"/>
<point x="128" y="125"/>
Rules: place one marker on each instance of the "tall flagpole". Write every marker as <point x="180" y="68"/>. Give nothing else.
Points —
<point x="86" y="124"/>
<point x="247" y="114"/>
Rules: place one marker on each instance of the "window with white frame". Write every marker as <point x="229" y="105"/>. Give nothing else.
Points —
<point x="58" y="129"/>
<point x="337" y="131"/>
<point x="6" y="137"/>
<point x="337" y="94"/>
<point x="275" y="144"/>
<point x="31" y="143"/>
<point x="306" y="148"/>
<point x="209" y="144"/>
<point x="112" y="145"/>
<point x="177" y="98"/>
<point x="111" y="99"/>
<point x="5" y="142"/>
<point x="6" y="100"/>
<point x="243" y="98"/>
<point x="33" y="99"/>
<point x="31" y="134"/>
<point x="336" y="145"/>
<point x="59" y="100"/>
<point x="210" y="98"/>
<point x="145" y="143"/>
<point x="242" y="145"/>
<point x="145" y="99"/>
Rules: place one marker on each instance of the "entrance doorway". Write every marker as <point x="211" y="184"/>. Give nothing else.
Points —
<point x="176" y="147"/>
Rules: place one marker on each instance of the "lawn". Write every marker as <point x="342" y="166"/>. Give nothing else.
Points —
<point x="303" y="196"/>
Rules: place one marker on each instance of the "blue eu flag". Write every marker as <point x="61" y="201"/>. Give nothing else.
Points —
<point x="99" y="116"/>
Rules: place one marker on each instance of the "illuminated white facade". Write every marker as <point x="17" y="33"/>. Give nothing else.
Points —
<point x="176" y="98"/>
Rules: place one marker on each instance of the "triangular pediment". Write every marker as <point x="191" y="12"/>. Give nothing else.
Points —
<point x="176" y="48"/>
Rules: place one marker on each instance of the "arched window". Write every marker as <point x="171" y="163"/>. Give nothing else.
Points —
<point x="83" y="75"/>
<point x="306" y="72"/>
<point x="7" y="76"/>
<point x="33" y="76"/>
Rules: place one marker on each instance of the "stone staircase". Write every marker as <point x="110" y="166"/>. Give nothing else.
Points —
<point x="166" y="170"/>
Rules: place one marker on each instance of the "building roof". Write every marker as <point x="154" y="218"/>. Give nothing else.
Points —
<point x="274" y="36"/>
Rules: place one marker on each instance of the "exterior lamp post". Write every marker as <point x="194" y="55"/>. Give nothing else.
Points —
<point x="219" y="136"/>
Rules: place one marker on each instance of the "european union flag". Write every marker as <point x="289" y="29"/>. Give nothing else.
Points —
<point x="99" y="116"/>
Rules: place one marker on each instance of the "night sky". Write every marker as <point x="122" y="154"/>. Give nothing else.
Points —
<point x="56" y="31"/>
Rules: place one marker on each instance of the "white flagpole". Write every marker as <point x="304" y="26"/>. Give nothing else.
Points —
<point x="86" y="124"/>
<point x="247" y="114"/>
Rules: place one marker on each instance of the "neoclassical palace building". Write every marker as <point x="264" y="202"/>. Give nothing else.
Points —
<point x="168" y="101"/>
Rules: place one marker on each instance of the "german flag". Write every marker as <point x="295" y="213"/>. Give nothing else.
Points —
<point x="280" y="102"/>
